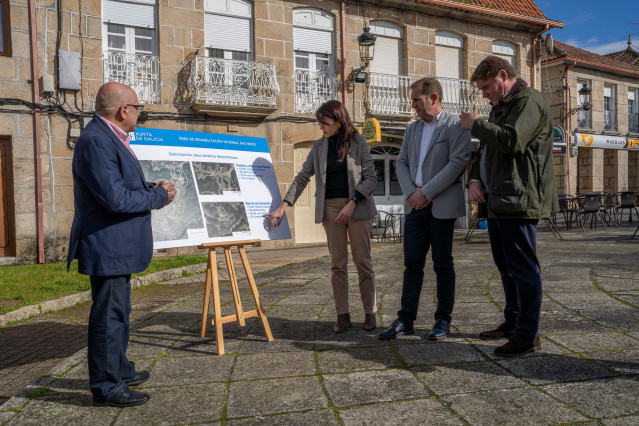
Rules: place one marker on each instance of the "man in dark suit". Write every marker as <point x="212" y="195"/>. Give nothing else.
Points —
<point x="433" y="157"/>
<point x="111" y="238"/>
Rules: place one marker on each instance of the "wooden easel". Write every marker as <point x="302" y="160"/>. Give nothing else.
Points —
<point x="212" y="278"/>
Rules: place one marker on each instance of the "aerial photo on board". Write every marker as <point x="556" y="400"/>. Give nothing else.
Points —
<point x="215" y="178"/>
<point x="173" y="221"/>
<point x="225" y="218"/>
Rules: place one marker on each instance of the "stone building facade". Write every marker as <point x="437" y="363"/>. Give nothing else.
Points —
<point x="608" y="161"/>
<point x="246" y="67"/>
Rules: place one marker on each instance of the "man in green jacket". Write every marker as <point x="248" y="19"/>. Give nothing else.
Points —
<point x="514" y="176"/>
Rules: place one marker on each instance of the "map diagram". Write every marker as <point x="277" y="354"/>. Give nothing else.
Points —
<point x="172" y="222"/>
<point x="215" y="178"/>
<point x="225" y="218"/>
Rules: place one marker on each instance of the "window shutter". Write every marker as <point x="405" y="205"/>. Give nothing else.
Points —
<point x="608" y="91"/>
<point x="449" y="62"/>
<point x="129" y="14"/>
<point x="308" y="40"/>
<point x="510" y="59"/>
<point x="387" y="59"/>
<point x="227" y="32"/>
<point x="631" y="95"/>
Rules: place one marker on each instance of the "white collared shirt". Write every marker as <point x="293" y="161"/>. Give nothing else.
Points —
<point x="427" y="135"/>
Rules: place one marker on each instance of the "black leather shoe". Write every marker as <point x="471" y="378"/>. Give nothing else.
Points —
<point x="518" y="345"/>
<point x="503" y="331"/>
<point x="125" y="398"/>
<point x="397" y="329"/>
<point x="140" y="377"/>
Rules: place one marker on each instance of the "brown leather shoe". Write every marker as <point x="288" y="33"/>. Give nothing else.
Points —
<point x="370" y="323"/>
<point x="503" y="331"/>
<point x="518" y="345"/>
<point x="343" y="322"/>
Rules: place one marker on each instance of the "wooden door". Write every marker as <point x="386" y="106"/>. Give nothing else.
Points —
<point x="7" y="205"/>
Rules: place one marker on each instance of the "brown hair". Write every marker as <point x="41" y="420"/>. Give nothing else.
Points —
<point x="336" y="111"/>
<point x="428" y="86"/>
<point x="490" y="67"/>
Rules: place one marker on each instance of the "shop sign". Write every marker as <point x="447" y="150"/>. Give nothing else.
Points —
<point x="584" y="140"/>
<point x="371" y="130"/>
<point x="558" y="140"/>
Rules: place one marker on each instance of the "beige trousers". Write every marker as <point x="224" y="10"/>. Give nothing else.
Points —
<point x="359" y="232"/>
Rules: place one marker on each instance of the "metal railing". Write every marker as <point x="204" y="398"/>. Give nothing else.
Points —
<point x="583" y="119"/>
<point x="312" y="89"/>
<point x="389" y="94"/>
<point x="460" y="95"/>
<point x="610" y="119"/>
<point x="220" y="81"/>
<point x="140" y="72"/>
<point x="633" y="122"/>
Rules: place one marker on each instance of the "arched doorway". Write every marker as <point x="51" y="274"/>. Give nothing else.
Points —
<point x="388" y="193"/>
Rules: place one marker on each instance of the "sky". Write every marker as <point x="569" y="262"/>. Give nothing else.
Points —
<point x="600" y="26"/>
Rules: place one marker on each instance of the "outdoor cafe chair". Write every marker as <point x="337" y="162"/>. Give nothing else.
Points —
<point x="592" y="208"/>
<point x="627" y="201"/>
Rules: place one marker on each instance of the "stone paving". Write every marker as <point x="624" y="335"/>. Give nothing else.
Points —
<point x="586" y="372"/>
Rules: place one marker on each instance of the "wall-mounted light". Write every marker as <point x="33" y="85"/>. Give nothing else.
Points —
<point x="366" y="42"/>
<point x="584" y="100"/>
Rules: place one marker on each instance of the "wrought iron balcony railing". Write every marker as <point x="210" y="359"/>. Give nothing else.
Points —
<point x="460" y="95"/>
<point x="312" y="89"/>
<point x="220" y="81"/>
<point x="389" y="94"/>
<point x="610" y="119"/>
<point x="140" y="72"/>
<point x="633" y="122"/>
<point x="583" y="119"/>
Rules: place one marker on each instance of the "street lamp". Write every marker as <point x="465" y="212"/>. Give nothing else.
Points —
<point x="584" y="100"/>
<point x="366" y="42"/>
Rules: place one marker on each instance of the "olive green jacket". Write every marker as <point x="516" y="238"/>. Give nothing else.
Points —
<point x="517" y="140"/>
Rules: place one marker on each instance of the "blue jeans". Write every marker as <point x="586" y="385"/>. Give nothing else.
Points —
<point x="514" y="246"/>
<point x="423" y="231"/>
<point x="109" y="368"/>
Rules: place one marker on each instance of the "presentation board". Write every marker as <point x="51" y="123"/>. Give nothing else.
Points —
<point x="225" y="183"/>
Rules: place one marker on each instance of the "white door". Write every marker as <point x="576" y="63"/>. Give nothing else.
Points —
<point x="306" y="230"/>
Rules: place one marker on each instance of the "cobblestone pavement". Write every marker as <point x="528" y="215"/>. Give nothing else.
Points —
<point x="586" y="372"/>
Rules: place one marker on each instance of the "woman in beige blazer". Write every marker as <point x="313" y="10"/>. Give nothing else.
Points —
<point x="345" y="178"/>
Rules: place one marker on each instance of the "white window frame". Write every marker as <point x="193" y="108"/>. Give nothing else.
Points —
<point x="129" y="33"/>
<point x="388" y="30"/>
<point x="505" y="50"/>
<point x="231" y="9"/>
<point x="449" y="39"/>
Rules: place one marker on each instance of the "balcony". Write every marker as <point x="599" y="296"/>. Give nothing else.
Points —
<point x="140" y="72"/>
<point x="312" y="89"/>
<point x="460" y="95"/>
<point x="226" y="87"/>
<point x="389" y="95"/>
<point x="583" y="119"/>
<point x="633" y="122"/>
<point x="610" y="120"/>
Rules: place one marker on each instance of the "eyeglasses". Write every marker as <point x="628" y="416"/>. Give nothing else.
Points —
<point x="138" y="107"/>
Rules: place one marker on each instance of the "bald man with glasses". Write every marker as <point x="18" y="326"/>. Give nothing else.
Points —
<point x="111" y="238"/>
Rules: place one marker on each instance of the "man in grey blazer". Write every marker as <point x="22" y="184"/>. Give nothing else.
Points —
<point x="433" y="157"/>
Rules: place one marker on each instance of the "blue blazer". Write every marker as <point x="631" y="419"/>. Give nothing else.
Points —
<point x="111" y="231"/>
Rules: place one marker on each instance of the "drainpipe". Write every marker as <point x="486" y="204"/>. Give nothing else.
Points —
<point x="343" y="41"/>
<point x="568" y="122"/>
<point x="534" y="56"/>
<point x="36" y="127"/>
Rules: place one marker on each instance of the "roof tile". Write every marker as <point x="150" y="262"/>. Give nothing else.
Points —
<point x="621" y="59"/>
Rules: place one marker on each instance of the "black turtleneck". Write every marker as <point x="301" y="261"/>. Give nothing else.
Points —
<point x="336" y="174"/>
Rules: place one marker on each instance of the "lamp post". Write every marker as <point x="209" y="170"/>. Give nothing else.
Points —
<point x="584" y="100"/>
<point x="366" y="42"/>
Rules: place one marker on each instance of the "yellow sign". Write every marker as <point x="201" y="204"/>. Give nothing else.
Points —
<point x="587" y="139"/>
<point x="371" y="130"/>
<point x="633" y="144"/>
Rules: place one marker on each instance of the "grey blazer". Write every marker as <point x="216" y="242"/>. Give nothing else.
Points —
<point x="445" y="161"/>
<point x="361" y="177"/>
